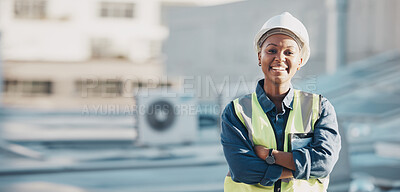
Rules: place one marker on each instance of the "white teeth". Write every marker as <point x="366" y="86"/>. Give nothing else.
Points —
<point x="278" y="68"/>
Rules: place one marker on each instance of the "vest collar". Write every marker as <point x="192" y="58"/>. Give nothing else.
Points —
<point x="266" y="104"/>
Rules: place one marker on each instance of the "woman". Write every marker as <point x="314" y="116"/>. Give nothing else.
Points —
<point x="279" y="138"/>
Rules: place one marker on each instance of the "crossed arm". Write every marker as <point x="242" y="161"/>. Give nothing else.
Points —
<point x="246" y="162"/>
<point x="284" y="159"/>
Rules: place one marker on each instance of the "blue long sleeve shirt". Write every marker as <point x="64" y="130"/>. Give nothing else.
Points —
<point x="315" y="160"/>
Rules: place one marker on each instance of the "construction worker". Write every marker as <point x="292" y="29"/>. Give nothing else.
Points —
<point x="279" y="138"/>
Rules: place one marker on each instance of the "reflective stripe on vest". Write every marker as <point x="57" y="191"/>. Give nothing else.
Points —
<point x="302" y="117"/>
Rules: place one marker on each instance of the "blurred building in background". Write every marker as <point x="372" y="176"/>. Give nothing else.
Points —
<point x="62" y="54"/>
<point x="95" y="55"/>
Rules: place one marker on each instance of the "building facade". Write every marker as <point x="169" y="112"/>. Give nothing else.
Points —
<point x="62" y="53"/>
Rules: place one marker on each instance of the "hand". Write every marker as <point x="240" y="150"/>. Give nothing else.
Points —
<point x="261" y="151"/>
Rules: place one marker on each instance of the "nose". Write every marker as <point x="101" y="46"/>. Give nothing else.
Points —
<point x="280" y="57"/>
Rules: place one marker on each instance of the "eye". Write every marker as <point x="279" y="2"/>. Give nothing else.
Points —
<point x="289" y="52"/>
<point x="272" y="51"/>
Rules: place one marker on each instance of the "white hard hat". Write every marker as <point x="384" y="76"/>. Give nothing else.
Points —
<point x="289" y="23"/>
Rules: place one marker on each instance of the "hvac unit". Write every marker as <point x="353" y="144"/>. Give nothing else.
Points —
<point x="166" y="119"/>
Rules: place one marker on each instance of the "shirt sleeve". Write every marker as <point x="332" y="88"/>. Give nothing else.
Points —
<point x="318" y="158"/>
<point x="244" y="164"/>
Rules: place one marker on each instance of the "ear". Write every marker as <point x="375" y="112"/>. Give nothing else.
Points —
<point x="259" y="57"/>
<point x="301" y="61"/>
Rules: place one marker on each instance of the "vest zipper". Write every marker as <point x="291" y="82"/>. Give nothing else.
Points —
<point x="278" y="184"/>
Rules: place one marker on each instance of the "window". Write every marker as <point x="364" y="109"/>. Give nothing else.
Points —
<point x="150" y="84"/>
<point x="100" y="88"/>
<point x="138" y="84"/>
<point x="27" y="88"/>
<point x="165" y="84"/>
<point x="118" y="10"/>
<point x="30" y="9"/>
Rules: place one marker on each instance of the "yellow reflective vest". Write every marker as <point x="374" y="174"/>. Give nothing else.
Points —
<point x="302" y="117"/>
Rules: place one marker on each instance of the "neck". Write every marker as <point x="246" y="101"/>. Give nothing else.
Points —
<point x="274" y="90"/>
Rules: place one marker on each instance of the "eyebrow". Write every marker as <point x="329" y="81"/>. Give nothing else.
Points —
<point x="271" y="44"/>
<point x="290" y="46"/>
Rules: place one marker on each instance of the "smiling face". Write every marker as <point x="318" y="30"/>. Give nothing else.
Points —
<point x="280" y="59"/>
